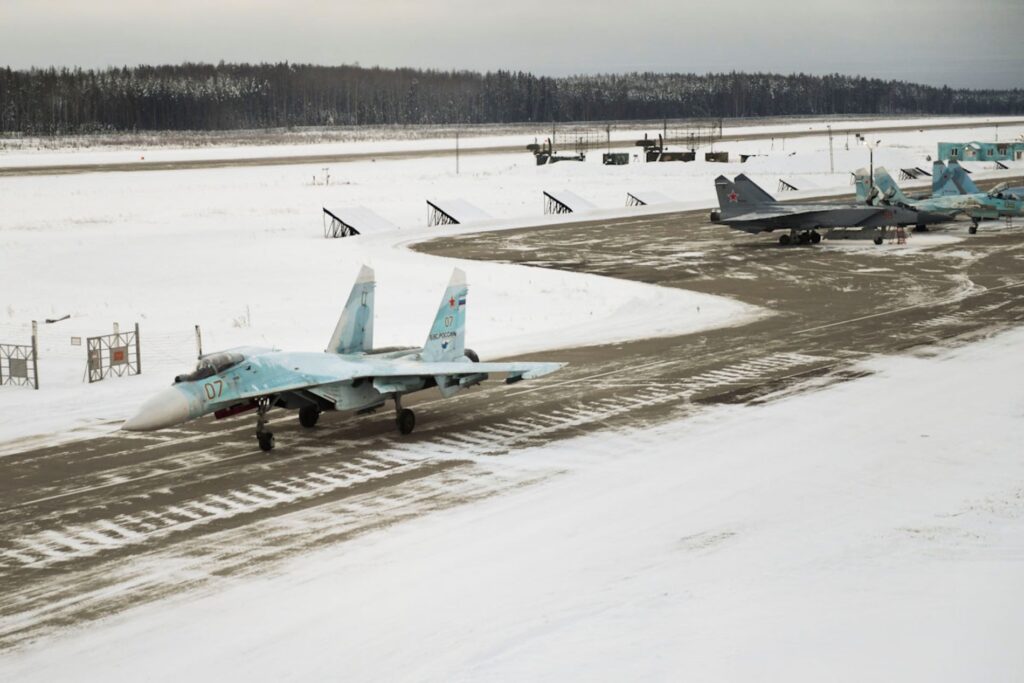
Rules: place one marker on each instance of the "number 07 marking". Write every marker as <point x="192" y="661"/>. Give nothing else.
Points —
<point x="214" y="389"/>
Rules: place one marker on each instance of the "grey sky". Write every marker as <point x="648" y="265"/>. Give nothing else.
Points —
<point x="975" y="43"/>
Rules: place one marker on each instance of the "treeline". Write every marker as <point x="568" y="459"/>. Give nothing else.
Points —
<point x="242" y="96"/>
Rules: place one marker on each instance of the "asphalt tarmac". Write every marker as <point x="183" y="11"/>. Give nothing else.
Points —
<point x="94" y="527"/>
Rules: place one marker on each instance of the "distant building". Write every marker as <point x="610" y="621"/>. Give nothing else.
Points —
<point x="981" y="151"/>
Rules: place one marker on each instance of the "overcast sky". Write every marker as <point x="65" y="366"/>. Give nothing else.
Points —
<point x="961" y="43"/>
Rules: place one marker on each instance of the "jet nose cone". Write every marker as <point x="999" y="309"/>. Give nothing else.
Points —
<point x="168" y="408"/>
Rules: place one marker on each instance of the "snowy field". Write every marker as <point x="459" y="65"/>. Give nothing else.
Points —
<point x="188" y="145"/>
<point x="882" y="544"/>
<point x="239" y="251"/>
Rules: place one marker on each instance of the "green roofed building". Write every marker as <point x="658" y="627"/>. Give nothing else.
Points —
<point x="981" y="151"/>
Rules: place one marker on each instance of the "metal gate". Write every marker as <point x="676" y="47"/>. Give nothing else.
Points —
<point x="18" y="365"/>
<point x="115" y="355"/>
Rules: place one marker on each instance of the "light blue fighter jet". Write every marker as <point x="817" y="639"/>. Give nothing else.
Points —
<point x="1002" y="201"/>
<point x="350" y="375"/>
<point x="954" y="194"/>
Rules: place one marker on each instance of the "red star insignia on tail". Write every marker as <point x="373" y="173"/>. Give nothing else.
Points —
<point x="733" y="197"/>
<point x="451" y="302"/>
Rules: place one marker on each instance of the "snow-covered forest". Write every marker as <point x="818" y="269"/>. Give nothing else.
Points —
<point x="241" y="96"/>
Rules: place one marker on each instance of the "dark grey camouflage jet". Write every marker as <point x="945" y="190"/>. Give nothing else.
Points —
<point x="743" y="205"/>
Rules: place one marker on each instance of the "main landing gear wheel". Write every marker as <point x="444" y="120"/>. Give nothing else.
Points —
<point x="264" y="437"/>
<point x="815" y="236"/>
<point x="878" y="240"/>
<point x="308" y="415"/>
<point x="784" y="240"/>
<point x="973" y="230"/>
<point x="921" y="228"/>
<point x="406" y="421"/>
<point x="404" y="418"/>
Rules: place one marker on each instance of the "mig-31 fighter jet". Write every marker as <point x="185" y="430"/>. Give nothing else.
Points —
<point x="350" y="375"/>
<point x="743" y="205"/>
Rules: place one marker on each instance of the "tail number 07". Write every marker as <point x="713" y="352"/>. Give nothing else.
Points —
<point x="214" y="389"/>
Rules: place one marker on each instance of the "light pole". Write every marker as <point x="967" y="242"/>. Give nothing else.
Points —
<point x="871" y="155"/>
<point x="831" y="157"/>
<point x="871" y="163"/>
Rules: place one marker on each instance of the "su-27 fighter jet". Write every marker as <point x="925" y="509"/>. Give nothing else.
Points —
<point x="349" y="375"/>
<point x="743" y="205"/>
<point x="1002" y="201"/>
<point x="953" y="194"/>
<point x="952" y="179"/>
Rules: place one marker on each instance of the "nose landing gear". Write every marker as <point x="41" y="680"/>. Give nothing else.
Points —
<point x="264" y="437"/>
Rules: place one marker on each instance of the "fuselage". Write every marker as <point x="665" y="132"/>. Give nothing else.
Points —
<point x="812" y="217"/>
<point x="995" y="204"/>
<point x="218" y="390"/>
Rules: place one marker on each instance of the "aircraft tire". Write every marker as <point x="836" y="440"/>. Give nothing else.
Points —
<point x="784" y="240"/>
<point x="406" y="421"/>
<point x="878" y="240"/>
<point x="973" y="230"/>
<point x="266" y="441"/>
<point x="815" y="237"/>
<point x="308" y="416"/>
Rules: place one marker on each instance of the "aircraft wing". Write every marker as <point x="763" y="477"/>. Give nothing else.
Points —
<point x="759" y="216"/>
<point x="446" y="374"/>
<point x="524" y="369"/>
<point x="791" y="210"/>
<point x="307" y="371"/>
<point x="825" y="213"/>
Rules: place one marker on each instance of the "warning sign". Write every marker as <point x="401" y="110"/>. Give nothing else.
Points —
<point x="118" y="355"/>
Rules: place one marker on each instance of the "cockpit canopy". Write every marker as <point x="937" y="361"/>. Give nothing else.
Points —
<point x="213" y="364"/>
<point x="1004" y="191"/>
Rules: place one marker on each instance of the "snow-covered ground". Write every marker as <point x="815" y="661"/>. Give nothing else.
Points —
<point x="869" y="531"/>
<point x="185" y="146"/>
<point x="240" y="252"/>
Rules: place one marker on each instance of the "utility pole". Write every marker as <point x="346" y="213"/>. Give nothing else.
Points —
<point x="831" y="156"/>
<point x="871" y="157"/>
<point x="35" y="355"/>
<point x="138" y="351"/>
